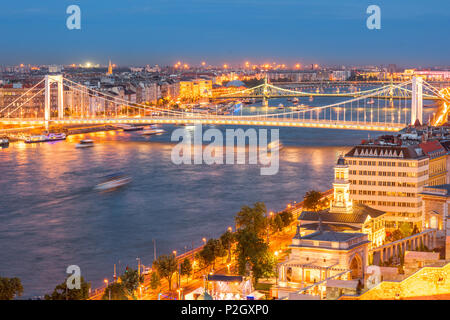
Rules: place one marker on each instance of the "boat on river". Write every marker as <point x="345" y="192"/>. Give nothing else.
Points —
<point x="113" y="181"/>
<point x="4" y="142"/>
<point x="46" y="137"/>
<point x="87" y="143"/>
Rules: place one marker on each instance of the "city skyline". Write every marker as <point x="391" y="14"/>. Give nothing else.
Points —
<point x="230" y="32"/>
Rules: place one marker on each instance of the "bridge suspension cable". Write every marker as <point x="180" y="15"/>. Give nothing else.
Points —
<point x="24" y="94"/>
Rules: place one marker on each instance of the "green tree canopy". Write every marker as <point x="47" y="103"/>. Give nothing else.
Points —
<point x="115" y="290"/>
<point x="131" y="280"/>
<point x="155" y="281"/>
<point x="253" y="251"/>
<point x="228" y="239"/>
<point x="186" y="267"/>
<point x="313" y="200"/>
<point x="10" y="288"/>
<point x="61" y="292"/>
<point x="253" y="218"/>
<point x="276" y="223"/>
<point x="287" y="217"/>
<point x="212" y="250"/>
<point x="166" y="266"/>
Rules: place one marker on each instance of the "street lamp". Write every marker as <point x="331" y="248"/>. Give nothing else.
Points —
<point x="139" y="267"/>
<point x="109" y="290"/>
<point x="230" y="229"/>
<point x="204" y="240"/>
<point x="174" y="252"/>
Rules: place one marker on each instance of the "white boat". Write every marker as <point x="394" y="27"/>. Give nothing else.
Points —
<point x="4" y="142"/>
<point x="152" y="131"/>
<point x="280" y="106"/>
<point x="274" y="146"/>
<point x="46" y="138"/>
<point x="85" y="144"/>
<point x="112" y="182"/>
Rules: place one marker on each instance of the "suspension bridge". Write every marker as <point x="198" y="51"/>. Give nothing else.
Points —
<point x="387" y="108"/>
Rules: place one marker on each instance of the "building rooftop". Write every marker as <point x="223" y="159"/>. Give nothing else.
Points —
<point x="332" y="236"/>
<point x="439" y="190"/>
<point x="386" y="151"/>
<point x="358" y="215"/>
<point x="433" y="148"/>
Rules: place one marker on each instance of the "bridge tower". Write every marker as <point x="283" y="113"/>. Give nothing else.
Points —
<point x="417" y="100"/>
<point x="49" y="80"/>
<point x="265" y="101"/>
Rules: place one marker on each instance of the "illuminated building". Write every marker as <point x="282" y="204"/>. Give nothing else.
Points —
<point x="344" y="215"/>
<point x="321" y="256"/>
<point x="389" y="178"/>
<point x="436" y="202"/>
<point x="428" y="283"/>
<point x="437" y="172"/>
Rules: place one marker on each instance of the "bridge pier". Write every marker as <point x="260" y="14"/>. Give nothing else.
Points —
<point x="265" y="102"/>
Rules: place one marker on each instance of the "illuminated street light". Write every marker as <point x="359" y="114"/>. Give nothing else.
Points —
<point x="109" y="291"/>
<point x="204" y="240"/>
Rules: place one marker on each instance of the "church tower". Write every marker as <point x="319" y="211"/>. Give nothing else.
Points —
<point x="110" y="69"/>
<point x="341" y="185"/>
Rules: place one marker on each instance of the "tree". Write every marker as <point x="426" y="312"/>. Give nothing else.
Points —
<point x="61" y="292"/>
<point x="228" y="239"/>
<point x="10" y="288"/>
<point x="166" y="266"/>
<point x="252" y="251"/>
<point x="253" y="218"/>
<point x="287" y="217"/>
<point x="212" y="250"/>
<point x="115" y="291"/>
<point x="313" y="200"/>
<point x="277" y="223"/>
<point x="263" y="265"/>
<point x="406" y="229"/>
<point x="155" y="282"/>
<point x="131" y="280"/>
<point x="186" y="267"/>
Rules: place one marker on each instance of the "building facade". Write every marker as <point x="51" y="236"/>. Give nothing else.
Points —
<point x="389" y="178"/>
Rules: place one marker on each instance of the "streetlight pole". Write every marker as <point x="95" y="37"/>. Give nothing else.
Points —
<point x="139" y="267"/>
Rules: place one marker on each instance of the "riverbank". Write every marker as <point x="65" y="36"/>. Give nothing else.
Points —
<point x="295" y="209"/>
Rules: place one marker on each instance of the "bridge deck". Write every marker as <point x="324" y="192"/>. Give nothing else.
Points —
<point x="241" y="120"/>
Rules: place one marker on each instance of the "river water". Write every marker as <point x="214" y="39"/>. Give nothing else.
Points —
<point x="51" y="217"/>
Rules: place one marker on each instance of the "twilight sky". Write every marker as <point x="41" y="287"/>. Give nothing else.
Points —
<point x="136" y="32"/>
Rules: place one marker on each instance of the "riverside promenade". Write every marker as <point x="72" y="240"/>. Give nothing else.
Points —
<point x="276" y="242"/>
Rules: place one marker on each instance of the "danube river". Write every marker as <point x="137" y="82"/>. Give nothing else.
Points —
<point x="52" y="218"/>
